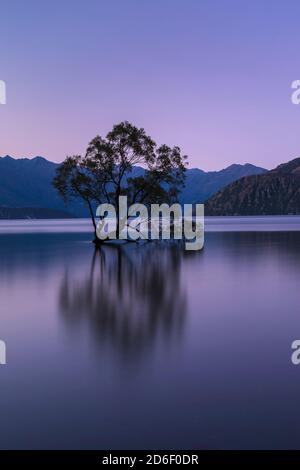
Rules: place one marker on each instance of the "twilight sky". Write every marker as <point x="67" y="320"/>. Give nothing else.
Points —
<point x="212" y="76"/>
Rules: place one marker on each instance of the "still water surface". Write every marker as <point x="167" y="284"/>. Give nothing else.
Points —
<point x="149" y="346"/>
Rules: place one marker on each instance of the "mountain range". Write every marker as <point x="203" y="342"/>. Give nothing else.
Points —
<point x="276" y="192"/>
<point x="26" y="184"/>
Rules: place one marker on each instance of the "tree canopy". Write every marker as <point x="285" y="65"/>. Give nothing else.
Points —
<point x="106" y="171"/>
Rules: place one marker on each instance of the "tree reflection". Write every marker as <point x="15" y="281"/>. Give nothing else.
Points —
<point x="131" y="296"/>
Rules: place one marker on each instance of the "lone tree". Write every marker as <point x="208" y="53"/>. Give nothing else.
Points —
<point x="107" y="171"/>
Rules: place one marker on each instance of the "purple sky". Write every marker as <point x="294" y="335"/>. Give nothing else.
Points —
<point x="213" y="77"/>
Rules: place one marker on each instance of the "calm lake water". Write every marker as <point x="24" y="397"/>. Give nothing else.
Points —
<point x="149" y="346"/>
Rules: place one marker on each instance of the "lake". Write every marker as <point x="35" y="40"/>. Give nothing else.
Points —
<point x="147" y="346"/>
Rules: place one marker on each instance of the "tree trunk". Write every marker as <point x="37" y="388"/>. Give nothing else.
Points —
<point x="96" y="240"/>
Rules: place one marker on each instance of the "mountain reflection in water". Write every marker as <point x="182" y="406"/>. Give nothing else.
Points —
<point x="150" y="346"/>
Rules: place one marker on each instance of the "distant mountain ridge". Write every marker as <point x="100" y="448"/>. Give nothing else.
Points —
<point x="201" y="185"/>
<point x="27" y="183"/>
<point x="276" y="192"/>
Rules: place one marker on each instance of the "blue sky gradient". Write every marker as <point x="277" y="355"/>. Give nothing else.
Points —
<point x="213" y="77"/>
